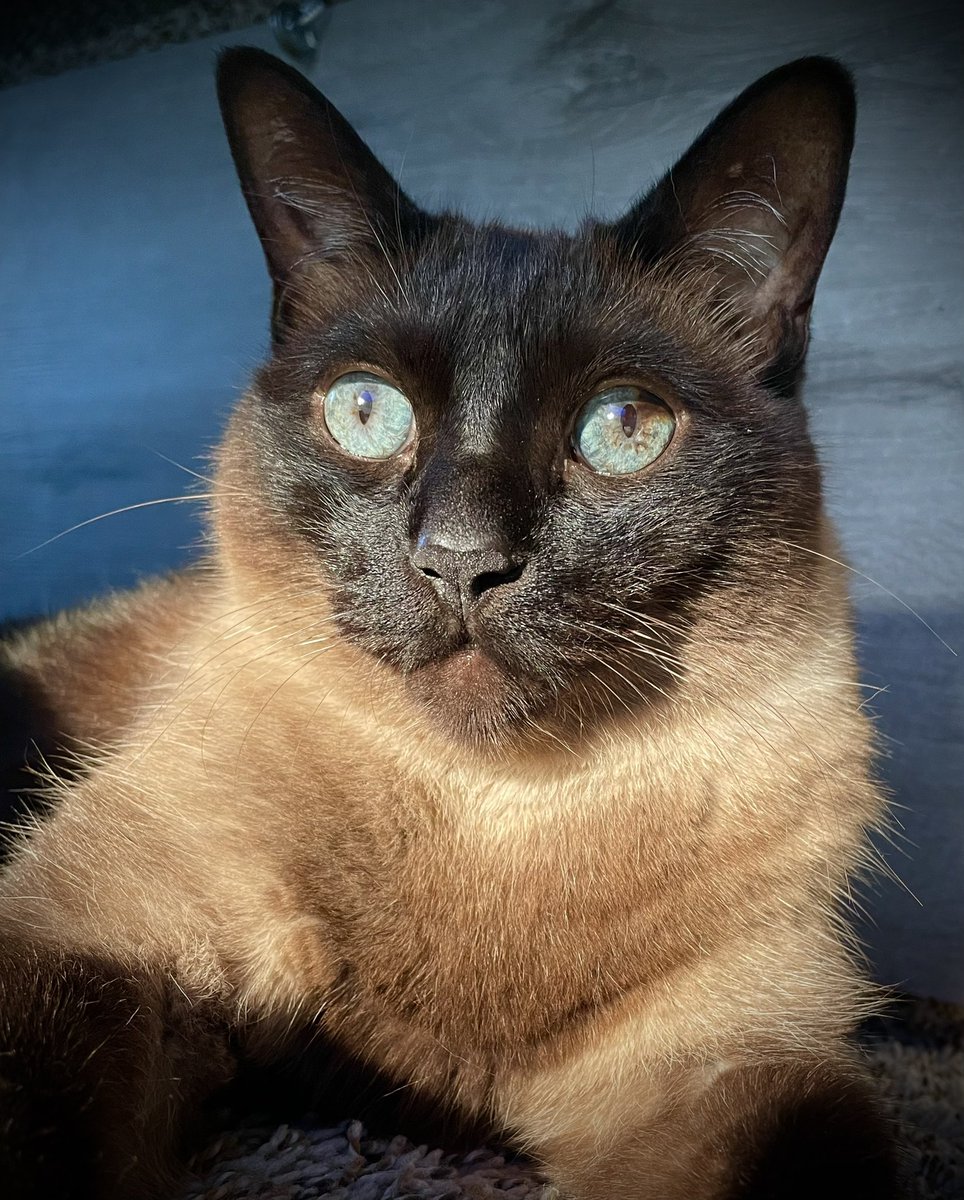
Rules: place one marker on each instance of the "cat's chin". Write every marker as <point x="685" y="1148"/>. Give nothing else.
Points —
<point x="469" y="696"/>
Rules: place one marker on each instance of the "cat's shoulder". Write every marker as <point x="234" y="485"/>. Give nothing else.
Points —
<point x="77" y="679"/>
<point x="75" y="661"/>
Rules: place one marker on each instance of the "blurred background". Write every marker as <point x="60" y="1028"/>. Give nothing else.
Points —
<point x="134" y="300"/>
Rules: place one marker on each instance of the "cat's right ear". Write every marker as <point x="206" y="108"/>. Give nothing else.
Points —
<point x="749" y="210"/>
<point x="326" y="210"/>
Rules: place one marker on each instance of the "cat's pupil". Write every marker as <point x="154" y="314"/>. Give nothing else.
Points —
<point x="628" y="418"/>
<point x="364" y="401"/>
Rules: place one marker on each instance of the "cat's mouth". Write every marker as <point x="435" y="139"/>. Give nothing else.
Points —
<point x="469" y="667"/>
<point x="470" y="694"/>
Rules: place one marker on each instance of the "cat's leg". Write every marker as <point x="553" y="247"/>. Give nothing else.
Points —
<point x="102" y="1059"/>
<point x="812" y="1129"/>
<point x="115" y="1014"/>
<point x="802" y="1129"/>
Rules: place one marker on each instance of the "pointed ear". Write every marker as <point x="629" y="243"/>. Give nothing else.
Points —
<point x="755" y="201"/>
<point x="326" y="210"/>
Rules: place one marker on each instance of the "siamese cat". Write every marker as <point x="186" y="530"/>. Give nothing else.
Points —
<point x="507" y="738"/>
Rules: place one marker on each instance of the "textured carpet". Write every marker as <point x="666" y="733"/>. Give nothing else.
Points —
<point x="917" y="1052"/>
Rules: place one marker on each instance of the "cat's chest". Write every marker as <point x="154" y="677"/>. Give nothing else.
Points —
<point x="486" y="934"/>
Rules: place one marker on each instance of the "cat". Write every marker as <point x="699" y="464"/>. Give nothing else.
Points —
<point x="507" y="737"/>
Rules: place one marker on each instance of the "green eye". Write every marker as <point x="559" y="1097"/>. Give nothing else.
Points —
<point x="622" y="430"/>
<point x="367" y="416"/>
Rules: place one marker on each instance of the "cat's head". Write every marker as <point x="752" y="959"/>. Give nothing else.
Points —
<point x="525" y="470"/>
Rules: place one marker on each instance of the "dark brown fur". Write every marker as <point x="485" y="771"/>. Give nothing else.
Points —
<point x="589" y="897"/>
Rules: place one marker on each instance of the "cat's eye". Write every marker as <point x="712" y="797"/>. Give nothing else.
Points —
<point x="367" y="416"/>
<point x="621" y="430"/>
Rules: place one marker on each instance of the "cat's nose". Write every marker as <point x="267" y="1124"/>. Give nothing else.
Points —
<point x="462" y="574"/>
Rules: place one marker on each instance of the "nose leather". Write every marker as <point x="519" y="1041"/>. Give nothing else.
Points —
<point x="463" y="573"/>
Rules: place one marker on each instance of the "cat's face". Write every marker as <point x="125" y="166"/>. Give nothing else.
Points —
<point x="523" y="466"/>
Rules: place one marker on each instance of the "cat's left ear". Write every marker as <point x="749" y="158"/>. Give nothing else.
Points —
<point x="327" y="212"/>
<point x="754" y="204"/>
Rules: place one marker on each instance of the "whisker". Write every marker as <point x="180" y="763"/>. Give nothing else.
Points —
<point x="309" y="659"/>
<point x="116" y="512"/>
<point x="189" y="471"/>
<point x="887" y="592"/>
